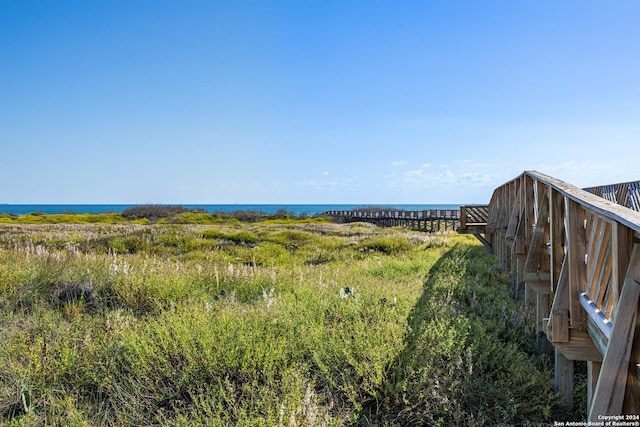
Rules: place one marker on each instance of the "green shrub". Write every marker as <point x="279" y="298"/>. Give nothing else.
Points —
<point x="268" y="254"/>
<point x="240" y="237"/>
<point x="291" y="239"/>
<point x="244" y="237"/>
<point x="213" y="233"/>
<point x="127" y="245"/>
<point x="387" y="245"/>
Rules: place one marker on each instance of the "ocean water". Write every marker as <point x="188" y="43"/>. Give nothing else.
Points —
<point x="269" y="209"/>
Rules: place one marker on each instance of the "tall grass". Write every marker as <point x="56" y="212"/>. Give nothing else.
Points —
<point x="263" y="324"/>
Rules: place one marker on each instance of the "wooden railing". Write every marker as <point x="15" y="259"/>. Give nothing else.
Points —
<point x="473" y="214"/>
<point x="575" y="257"/>
<point x="625" y="194"/>
<point x="473" y="220"/>
<point x="427" y="220"/>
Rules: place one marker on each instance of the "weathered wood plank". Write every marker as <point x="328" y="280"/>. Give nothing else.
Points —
<point x="634" y="195"/>
<point x="537" y="247"/>
<point x="539" y="286"/>
<point x="520" y="248"/>
<point x="579" y="347"/>
<point x="474" y="229"/>
<point x="621" y="246"/>
<point x="514" y="218"/>
<point x="560" y="308"/>
<point x="631" y="403"/>
<point x="599" y="339"/>
<point x="559" y="322"/>
<point x="597" y="258"/>
<point x="543" y="307"/>
<point x="536" y="276"/>
<point x="576" y="261"/>
<point x="563" y="379"/>
<point x="603" y="282"/>
<point x="556" y="225"/>
<point x="593" y="371"/>
<point x="529" y="202"/>
<point x="592" y="225"/>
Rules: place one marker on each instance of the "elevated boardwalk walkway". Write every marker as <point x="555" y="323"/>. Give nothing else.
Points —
<point x="574" y="256"/>
<point x="426" y="220"/>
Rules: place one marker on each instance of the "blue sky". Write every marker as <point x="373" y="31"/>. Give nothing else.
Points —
<point x="313" y="101"/>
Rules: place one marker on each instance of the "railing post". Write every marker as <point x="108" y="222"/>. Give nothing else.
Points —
<point x="576" y="261"/>
<point x="563" y="379"/>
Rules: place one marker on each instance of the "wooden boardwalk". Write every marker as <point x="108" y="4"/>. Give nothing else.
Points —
<point x="574" y="256"/>
<point x="428" y="220"/>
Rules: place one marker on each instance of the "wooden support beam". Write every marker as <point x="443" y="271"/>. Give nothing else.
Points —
<point x="537" y="276"/>
<point x="514" y="218"/>
<point x="600" y="340"/>
<point x="473" y="229"/>
<point x="560" y="308"/>
<point x="529" y="207"/>
<point x="556" y="225"/>
<point x="537" y="247"/>
<point x="610" y="390"/>
<point x="542" y="312"/>
<point x="621" y="246"/>
<point x="485" y="242"/>
<point x="579" y="347"/>
<point x="563" y="379"/>
<point x="593" y="372"/>
<point x="622" y="194"/>
<point x="520" y="247"/>
<point x="559" y="324"/>
<point x="539" y="286"/>
<point x="576" y="243"/>
<point x="604" y="287"/>
<point x="631" y="403"/>
<point x="599" y="248"/>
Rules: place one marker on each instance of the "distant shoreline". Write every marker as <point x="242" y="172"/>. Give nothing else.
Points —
<point x="298" y="209"/>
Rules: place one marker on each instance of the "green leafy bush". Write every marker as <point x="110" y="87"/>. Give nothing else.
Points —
<point x="213" y="233"/>
<point x="387" y="245"/>
<point x="244" y="237"/>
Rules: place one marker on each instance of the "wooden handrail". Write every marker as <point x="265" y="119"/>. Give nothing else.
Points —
<point x="606" y="208"/>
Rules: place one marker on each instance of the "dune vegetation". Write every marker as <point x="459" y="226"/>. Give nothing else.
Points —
<point x="195" y="320"/>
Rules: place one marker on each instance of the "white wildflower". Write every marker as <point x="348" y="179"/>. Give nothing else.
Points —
<point x="269" y="299"/>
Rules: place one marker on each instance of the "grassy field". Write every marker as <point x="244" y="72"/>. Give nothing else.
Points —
<point x="273" y="323"/>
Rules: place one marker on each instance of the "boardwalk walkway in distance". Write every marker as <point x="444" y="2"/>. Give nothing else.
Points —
<point x="428" y="220"/>
<point x="575" y="257"/>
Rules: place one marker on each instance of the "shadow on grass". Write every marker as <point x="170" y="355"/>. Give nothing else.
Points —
<point x="468" y="356"/>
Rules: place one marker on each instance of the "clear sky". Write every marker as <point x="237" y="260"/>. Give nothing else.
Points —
<point x="313" y="101"/>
